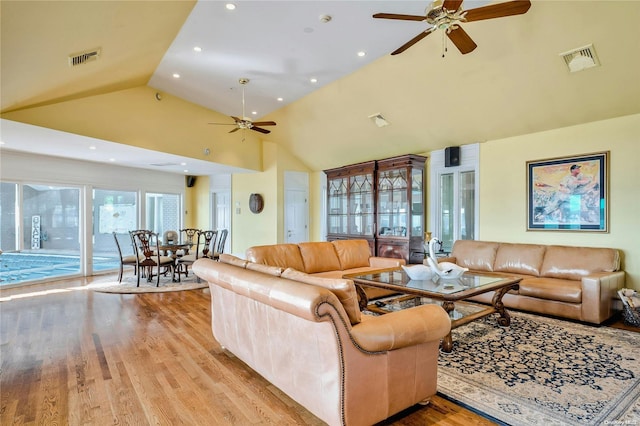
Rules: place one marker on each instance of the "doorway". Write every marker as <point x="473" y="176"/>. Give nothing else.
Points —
<point x="296" y="207"/>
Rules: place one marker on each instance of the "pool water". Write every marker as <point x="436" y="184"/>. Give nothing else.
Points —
<point x="18" y="268"/>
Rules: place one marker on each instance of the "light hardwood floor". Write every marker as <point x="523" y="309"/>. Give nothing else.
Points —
<point x="74" y="356"/>
<point x="77" y="357"/>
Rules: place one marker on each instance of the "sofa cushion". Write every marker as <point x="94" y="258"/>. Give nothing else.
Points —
<point x="232" y="260"/>
<point x="573" y="263"/>
<point x="352" y="253"/>
<point x="283" y="255"/>
<point x="318" y="257"/>
<point x="552" y="289"/>
<point x="475" y="255"/>
<point x="344" y="290"/>
<point x="519" y="258"/>
<point x="265" y="269"/>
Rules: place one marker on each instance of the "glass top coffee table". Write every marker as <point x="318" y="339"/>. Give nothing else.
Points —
<point x="446" y="291"/>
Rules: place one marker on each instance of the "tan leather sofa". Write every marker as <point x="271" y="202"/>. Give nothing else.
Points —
<point x="578" y="283"/>
<point x="306" y="335"/>
<point x="325" y="259"/>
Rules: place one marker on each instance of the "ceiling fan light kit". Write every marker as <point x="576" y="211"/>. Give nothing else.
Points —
<point x="245" y="123"/>
<point x="448" y="14"/>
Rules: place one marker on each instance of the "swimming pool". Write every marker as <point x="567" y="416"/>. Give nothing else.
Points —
<point x="19" y="268"/>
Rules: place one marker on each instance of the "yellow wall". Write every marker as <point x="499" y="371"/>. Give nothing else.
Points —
<point x="267" y="227"/>
<point x="503" y="186"/>
<point x="135" y="117"/>
<point x="197" y="205"/>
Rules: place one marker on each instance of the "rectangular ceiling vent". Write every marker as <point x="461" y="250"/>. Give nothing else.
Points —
<point x="163" y="164"/>
<point x="84" y="57"/>
<point x="581" y="58"/>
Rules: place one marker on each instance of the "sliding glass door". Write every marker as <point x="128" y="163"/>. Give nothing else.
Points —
<point x="113" y="211"/>
<point x="41" y="232"/>
<point x="163" y="212"/>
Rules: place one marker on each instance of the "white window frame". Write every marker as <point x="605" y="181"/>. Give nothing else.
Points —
<point x="469" y="162"/>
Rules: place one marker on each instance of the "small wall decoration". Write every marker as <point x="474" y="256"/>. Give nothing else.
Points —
<point x="256" y="203"/>
<point x="568" y="194"/>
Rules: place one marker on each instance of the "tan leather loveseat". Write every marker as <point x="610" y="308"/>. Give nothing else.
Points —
<point x="305" y="334"/>
<point x="579" y="283"/>
<point x="325" y="259"/>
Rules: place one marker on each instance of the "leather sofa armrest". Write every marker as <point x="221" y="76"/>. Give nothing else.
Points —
<point x="385" y="262"/>
<point x="598" y="291"/>
<point x="403" y="328"/>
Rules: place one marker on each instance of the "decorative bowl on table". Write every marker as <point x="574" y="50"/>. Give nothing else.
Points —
<point x="418" y="272"/>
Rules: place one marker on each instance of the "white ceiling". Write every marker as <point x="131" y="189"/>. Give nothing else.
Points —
<point x="514" y="83"/>
<point x="279" y="46"/>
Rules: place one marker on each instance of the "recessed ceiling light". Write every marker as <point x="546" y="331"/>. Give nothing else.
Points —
<point x="280" y="99"/>
<point x="183" y="164"/>
<point x="230" y="6"/>
<point x="112" y="159"/>
<point x="176" y="75"/>
<point x="92" y="147"/>
<point x="197" y="49"/>
<point x="186" y="171"/>
<point x="254" y="112"/>
<point x="362" y="53"/>
<point x="313" y="80"/>
<point x="1" y="143"/>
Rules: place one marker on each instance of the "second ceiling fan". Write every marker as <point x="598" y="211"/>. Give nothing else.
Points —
<point x="448" y="14"/>
<point x="245" y="123"/>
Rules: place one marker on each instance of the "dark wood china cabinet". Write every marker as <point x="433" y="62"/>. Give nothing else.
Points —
<point x="381" y="201"/>
<point x="350" y="204"/>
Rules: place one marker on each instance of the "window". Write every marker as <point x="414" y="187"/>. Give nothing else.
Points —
<point x="163" y="212"/>
<point x="8" y="216"/>
<point x="454" y="197"/>
<point x="113" y="211"/>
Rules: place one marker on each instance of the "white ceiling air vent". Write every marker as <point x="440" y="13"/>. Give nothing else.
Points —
<point x="163" y="164"/>
<point x="581" y="58"/>
<point x="84" y="57"/>
<point x="379" y="120"/>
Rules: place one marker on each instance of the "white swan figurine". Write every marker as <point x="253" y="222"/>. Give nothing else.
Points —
<point x="418" y="272"/>
<point x="443" y="269"/>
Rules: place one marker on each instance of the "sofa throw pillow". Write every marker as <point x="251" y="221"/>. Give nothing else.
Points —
<point x="344" y="290"/>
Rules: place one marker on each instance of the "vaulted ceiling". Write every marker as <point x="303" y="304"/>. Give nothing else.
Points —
<point x="514" y="83"/>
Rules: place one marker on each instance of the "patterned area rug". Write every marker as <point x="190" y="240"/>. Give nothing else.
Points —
<point x="129" y="283"/>
<point x="542" y="371"/>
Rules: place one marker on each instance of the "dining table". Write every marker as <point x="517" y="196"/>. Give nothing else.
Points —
<point x="176" y="251"/>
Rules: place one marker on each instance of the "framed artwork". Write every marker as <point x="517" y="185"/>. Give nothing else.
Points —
<point x="569" y="193"/>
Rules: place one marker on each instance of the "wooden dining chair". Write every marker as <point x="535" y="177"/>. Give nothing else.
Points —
<point x="149" y="257"/>
<point x="204" y="245"/>
<point x="189" y="236"/>
<point x="221" y="241"/>
<point x="128" y="260"/>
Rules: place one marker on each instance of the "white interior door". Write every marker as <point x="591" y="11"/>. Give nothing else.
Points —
<point x="221" y="208"/>
<point x="296" y="207"/>
<point x="296" y="216"/>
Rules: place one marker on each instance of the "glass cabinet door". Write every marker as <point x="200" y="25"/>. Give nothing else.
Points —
<point x="361" y="205"/>
<point x="417" y="203"/>
<point x="338" y="205"/>
<point x="392" y="203"/>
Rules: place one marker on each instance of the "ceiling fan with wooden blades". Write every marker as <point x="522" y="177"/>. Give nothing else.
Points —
<point x="447" y="16"/>
<point x="245" y="123"/>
